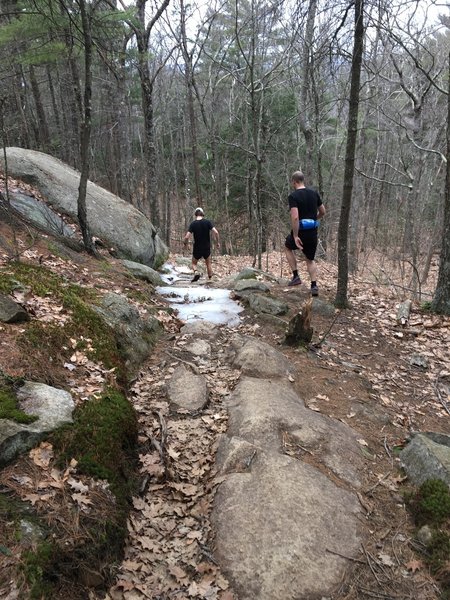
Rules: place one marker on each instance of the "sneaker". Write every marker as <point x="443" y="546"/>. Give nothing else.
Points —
<point x="314" y="290"/>
<point x="295" y="281"/>
<point x="195" y="278"/>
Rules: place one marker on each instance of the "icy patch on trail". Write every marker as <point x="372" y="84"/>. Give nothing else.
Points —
<point x="171" y="273"/>
<point x="207" y="304"/>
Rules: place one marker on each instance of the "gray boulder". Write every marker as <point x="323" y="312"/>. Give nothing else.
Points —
<point x="266" y="305"/>
<point x="250" y="285"/>
<point x="143" y="272"/>
<point x="135" y="335"/>
<point x="246" y="273"/>
<point x="199" y="348"/>
<point x="251" y="273"/>
<point x="54" y="408"/>
<point x="186" y="390"/>
<point x="115" y="221"/>
<point x="11" y="312"/>
<point x="427" y="456"/>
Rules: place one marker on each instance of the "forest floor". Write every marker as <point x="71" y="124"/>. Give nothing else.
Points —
<point x="361" y="368"/>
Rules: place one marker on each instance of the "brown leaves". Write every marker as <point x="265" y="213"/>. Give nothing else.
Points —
<point x="169" y="552"/>
<point x="414" y="565"/>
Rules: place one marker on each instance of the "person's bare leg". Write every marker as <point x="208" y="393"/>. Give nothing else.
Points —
<point x="312" y="269"/>
<point x="291" y="258"/>
<point x="208" y="264"/>
<point x="194" y="268"/>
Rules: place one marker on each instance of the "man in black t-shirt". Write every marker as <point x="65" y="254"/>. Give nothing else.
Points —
<point x="306" y="208"/>
<point x="201" y="229"/>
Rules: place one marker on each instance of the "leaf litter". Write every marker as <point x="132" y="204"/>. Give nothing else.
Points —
<point x="169" y="553"/>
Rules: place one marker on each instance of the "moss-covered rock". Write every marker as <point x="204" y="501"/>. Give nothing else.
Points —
<point x="9" y="408"/>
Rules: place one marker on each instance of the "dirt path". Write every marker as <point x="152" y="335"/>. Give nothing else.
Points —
<point x="362" y="374"/>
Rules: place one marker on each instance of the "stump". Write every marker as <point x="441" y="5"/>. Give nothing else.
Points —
<point x="299" y="329"/>
<point x="403" y="313"/>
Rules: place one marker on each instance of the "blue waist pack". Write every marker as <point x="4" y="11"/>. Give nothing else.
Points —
<point x="308" y="224"/>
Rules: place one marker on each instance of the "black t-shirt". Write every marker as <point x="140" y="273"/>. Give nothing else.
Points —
<point x="307" y="201"/>
<point x="200" y="229"/>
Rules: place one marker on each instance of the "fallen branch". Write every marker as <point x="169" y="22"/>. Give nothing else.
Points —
<point x="439" y="395"/>
<point x="377" y="483"/>
<point x="358" y="560"/>
<point x="186" y="362"/>
<point x="319" y="343"/>
<point x="160" y="445"/>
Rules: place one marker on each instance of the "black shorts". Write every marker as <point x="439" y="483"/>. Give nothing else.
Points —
<point x="308" y="237"/>
<point x="202" y="252"/>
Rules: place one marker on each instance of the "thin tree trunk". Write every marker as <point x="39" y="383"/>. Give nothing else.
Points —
<point x="61" y="144"/>
<point x="304" y="113"/>
<point x="43" y="131"/>
<point x="441" y="300"/>
<point x="352" y="132"/>
<point x="188" y="78"/>
<point x="86" y="127"/>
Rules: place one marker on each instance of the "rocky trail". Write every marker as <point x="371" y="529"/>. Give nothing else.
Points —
<point x="266" y="471"/>
<point x="272" y="472"/>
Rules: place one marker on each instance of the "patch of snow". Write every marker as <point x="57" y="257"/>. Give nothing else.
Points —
<point x="207" y="304"/>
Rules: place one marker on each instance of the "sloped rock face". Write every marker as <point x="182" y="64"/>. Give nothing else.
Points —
<point x="280" y="519"/>
<point x="115" y="221"/>
<point x="135" y="334"/>
<point x="41" y="215"/>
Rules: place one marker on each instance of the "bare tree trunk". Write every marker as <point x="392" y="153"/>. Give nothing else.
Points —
<point x="43" y="131"/>
<point x="86" y="127"/>
<point x="61" y="142"/>
<point x="352" y="132"/>
<point x="441" y="300"/>
<point x="188" y="78"/>
<point x="304" y="113"/>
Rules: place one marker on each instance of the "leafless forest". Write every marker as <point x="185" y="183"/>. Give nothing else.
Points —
<point x="173" y="105"/>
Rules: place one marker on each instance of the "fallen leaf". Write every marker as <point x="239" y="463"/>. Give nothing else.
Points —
<point x="414" y="565"/>
<point x="81" y="499"/>
<point x="386" y="559"/>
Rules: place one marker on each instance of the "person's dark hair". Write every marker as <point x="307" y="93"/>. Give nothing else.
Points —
<point x="199" y="212"/>
<point x="298" y="177"/>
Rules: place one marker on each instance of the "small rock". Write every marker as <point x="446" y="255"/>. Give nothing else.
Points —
<point x="30" y="533"/>
<point x="186" y="390"/>
<point x="417" y="360"/>
<point x="424" y="535"/>
<point x="200" y="328"/>
<point x="271" y="306"/>
<point x="11" y="312"/>
<point x="199" y="348"/>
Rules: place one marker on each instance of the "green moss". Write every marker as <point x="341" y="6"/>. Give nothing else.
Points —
<point x="439" y="550"/>
<point x="8" y="284"/>
<point x="53" y="340"/>
<point x="103" y="440"/>
<point x="36" y="565"/>
<point x="9" y="408"/>
<point x="431" y="504"/>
